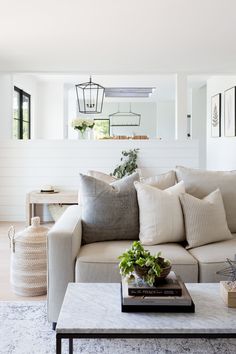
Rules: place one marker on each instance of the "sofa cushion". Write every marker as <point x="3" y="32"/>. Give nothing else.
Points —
<point x="200" y="183"/>
<point x="160" y="214"/>
<point x="212" y="257"/>
<point x="109" y="211"/>
<point x="205" y="219"/>
<point x="162" y="181"/>
<point x="98" y="262"/>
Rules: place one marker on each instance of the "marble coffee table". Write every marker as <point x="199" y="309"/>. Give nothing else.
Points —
<point x="94" y="311"/>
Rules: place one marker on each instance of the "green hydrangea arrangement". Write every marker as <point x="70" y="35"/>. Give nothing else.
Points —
<point x="82" y="124"/>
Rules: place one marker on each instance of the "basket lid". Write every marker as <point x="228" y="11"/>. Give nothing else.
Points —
<point x="35" y="232"/>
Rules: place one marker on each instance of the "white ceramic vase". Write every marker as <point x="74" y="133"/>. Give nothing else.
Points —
<point x="82" y="135"/>
<point x="86" y="135"/>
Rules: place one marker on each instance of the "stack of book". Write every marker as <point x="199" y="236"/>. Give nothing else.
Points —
<point x="170" y="295"/>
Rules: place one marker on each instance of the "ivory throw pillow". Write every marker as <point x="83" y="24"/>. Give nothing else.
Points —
<point x="163" y="181"/>
<point x="102" y="176"/>
<point x="200" y="183"/>
<point x="160" y="214"/>
<point x="109" y="211"/>
<point x="205" y="219"/>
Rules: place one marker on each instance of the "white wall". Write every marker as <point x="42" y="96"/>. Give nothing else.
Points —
<point x="199" y="124"/>
<point x="27" y="165"/>
<point x="6" y="106"/>
<point x="47" y="106"/>
<point x="220" y="151"/>
<point x="166" y="119"/>
<point x="50" y="111"/>
<point x="181" y="105"/>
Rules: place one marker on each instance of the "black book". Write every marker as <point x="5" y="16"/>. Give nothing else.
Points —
<point x="158" y="308"/>
<point x="170" y="286"/>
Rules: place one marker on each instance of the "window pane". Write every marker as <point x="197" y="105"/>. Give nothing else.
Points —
<point x="16" y="105"/>
<point x="101" y="128"/>
<point x="25" y="130"/>
<point x="21" y="114"/>
<point x="26" y="108"/>
<point x="16" y="115"/>
<point x="16" y="129"/>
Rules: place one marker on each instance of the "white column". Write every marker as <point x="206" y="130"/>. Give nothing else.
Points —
<point x="65" y="110"/>
<point x="199" y="128"/>
<point x="6" y="106"/>
<point x="181" y="106"/>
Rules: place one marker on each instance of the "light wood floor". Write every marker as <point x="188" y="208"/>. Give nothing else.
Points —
<point x="6" y="293"/>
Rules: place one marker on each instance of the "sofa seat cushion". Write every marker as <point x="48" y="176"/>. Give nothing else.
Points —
<point x="212" y="257"/>
<point x="98" y="262"/>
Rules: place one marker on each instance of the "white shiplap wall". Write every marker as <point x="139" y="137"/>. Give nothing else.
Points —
<point x="27" y="165"/>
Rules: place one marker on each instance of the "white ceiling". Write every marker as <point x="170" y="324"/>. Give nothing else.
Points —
<point x="122" y="36"/>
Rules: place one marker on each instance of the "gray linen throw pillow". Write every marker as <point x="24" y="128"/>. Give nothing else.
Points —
<point x="109" y="211"/>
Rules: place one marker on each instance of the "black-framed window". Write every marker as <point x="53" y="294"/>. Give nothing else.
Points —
<point x="101" y="128"/>
<point x="21" y="114"/>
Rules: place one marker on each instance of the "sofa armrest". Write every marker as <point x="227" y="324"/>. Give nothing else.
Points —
<point x="64" y="240"/>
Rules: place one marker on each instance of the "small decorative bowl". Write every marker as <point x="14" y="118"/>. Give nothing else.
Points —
<point x="142" y="271"/>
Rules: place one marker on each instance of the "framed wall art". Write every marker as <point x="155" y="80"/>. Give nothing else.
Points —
<point x="216" y="116"/>
<point x="229" y="112"/>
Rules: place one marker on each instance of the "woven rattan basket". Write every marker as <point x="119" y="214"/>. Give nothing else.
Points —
<point x="29" y="259"/>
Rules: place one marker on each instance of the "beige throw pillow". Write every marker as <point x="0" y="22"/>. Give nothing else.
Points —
<point x="200" y="183"/>
<point x="102" y="176"/>
<point x="163" y="181"/>
<point x="205" y="219"/>
<point x="160" y="214"/>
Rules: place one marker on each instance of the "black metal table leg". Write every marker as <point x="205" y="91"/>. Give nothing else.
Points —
<point x="70" y="345"/>
<point x="72" y="336"/>
<point x="58" y="345"/>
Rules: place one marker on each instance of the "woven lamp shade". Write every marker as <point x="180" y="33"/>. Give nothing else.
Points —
<point x="29" y="259"/>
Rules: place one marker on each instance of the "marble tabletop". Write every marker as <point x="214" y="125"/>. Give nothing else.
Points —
<point x="90" y="308"/>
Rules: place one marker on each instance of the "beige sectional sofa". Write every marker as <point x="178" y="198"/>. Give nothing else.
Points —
<point x="70" y="261"/>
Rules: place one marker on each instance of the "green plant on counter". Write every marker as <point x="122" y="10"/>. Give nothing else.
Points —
<point x="138" y="256"/>
<point x="128" y="165"/>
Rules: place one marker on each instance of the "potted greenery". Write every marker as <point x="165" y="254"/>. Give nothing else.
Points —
<point x="151" y="268"/>
<point x="128" y="165"/>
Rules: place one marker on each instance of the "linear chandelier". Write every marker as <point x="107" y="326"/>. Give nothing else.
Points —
<point x="121" y="119"/>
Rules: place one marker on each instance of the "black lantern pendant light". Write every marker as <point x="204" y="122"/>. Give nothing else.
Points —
<point x="90" y="97"/>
